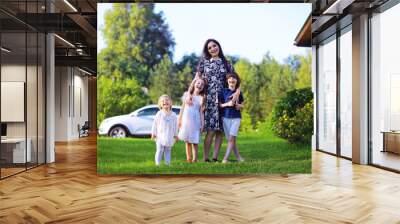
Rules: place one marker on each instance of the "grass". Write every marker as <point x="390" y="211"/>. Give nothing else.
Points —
<point x="264" y="154"/>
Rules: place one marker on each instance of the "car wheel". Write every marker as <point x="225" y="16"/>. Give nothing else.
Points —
<point x="118" y="132"/>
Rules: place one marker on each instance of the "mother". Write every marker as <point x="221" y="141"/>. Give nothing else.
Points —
<point x="213" y="67"/>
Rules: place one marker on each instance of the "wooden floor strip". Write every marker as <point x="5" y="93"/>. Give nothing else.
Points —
<point x="70" y="191"/>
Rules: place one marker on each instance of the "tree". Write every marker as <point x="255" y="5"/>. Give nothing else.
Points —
<point x="137" y="38"/>
<point x="293" y="61"/>
<point x="118" y="96"/>
<point x="251" y="84"/>
<point x="279" y="78"/>
<point x="163" y="80"/>
<point x="303" y="77"/>
<point x="184" y="78"/>
<point x="233" y="59"/>
<point x="191" y="60"/>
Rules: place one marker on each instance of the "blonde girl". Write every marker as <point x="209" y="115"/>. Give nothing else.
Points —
<point x="164" y="130"/>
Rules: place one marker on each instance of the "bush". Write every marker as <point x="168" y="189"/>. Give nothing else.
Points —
<point x="292" y="116"/>
<point x="118" y="96"/>
<point x="245" y="123"/>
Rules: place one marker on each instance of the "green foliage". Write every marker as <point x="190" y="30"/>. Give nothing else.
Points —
<point x="164" y="80"/>
<point x="168" y="79"/>
<point x="266" y="125"/>
<point x="191" y="60"/>
<point x="139" y="49"/>
<point x="280" y="79"/>
<point x="291" y="101"/>
<point x="251" y="85"/>
<point x="246" y="125"/>
<point x="118" y="96"/>
<point x="292" y="116"/>
<point x="184" y="78"/>
<point x="264" y="83"/>
<point x="137" y="38"/>
<point x="304" y="72"/>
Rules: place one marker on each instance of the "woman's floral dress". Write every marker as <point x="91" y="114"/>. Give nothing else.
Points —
<point x="214" y="71"/>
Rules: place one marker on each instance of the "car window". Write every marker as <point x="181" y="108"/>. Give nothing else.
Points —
<point x="148" y="112"/>
<point x="176" y="110"/>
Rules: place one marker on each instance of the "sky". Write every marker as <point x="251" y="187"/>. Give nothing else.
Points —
<point x="248" y="30"/>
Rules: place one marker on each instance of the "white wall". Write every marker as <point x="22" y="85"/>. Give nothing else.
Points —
<point x="33" y="126"/>
<point x="61" y="103"/>
<point x="11" y="73"/>
<point x="71" y="94"/>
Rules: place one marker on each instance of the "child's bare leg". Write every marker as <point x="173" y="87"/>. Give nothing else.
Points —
<point x="188" y="151"/>
<point x="236" y="151"/>
<point x="217" y="144"/>
<point x="207" y="144"/>
<point x="231" y="146"/>
<point x="195" y="152"/>
<point x="237" y="154"/>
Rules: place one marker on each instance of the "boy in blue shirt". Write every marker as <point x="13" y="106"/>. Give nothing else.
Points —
<point x="231" y="114"/>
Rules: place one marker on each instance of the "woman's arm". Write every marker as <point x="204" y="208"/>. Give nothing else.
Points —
<point x="199" y="74"/>
<point x="200" y="69"/>
<point x="235" y="96"/>
<point x="240" y="103"/>
<point x="189" y="97"/>
<point x="227" y="104"/>
<point x="239" y="106"/>
<point x="202" y="115"/>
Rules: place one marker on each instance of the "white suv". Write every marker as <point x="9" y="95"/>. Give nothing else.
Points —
<point x="137" y="123"/>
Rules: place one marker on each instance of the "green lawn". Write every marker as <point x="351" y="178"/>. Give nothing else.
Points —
<point x="264" y="154"/>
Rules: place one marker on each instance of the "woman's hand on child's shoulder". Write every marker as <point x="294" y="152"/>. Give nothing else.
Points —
<point x="239" y="106"/>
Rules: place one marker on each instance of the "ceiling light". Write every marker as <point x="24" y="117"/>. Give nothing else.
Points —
<point x="70" y="5"/>
<point x="65" y="41"/>
<point x="337" y="7"/>
<point x="86" y="72"/>
<point x="5" y="49"/>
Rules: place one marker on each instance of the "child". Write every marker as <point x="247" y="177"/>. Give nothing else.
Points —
<point x="231" y="114"/>
<point x="164" y="130"/>
<point x="191" y="118"/>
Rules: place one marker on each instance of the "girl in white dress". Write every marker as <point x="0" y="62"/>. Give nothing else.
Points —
<point x="191" y="118"/>
<point x="164" y="130"/>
